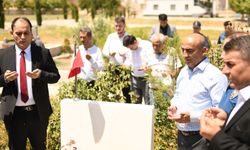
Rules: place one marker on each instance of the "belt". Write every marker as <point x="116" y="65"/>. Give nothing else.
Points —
<point x="26" y="108"/>
<point x="189" y="133"/>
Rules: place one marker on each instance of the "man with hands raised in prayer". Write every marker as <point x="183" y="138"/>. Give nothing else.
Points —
<point x="231" y="132"/>
<point x="199" y="85"/>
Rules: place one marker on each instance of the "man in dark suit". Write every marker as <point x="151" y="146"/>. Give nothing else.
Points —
<point x="232" y="132"/>
<point x="25" y="71"/>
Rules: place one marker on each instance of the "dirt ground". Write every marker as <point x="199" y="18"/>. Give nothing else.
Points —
<point x="63" y="63"/>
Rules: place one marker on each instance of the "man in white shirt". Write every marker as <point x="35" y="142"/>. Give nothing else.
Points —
<point x="199" y="85"/>
<point x="233" y="131"/>
<point x="162" y="64"/>
<point x="113" y="48"/>
<point x="140" y="51"/>
<point x="115" y="51"/>
<point x="91" y="56"/>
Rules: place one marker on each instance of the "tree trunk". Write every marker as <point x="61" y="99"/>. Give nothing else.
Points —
<point x="2" y="19"/>
<point x="75" y="13"/>
<point x="38" y="12"/>
<point x="65" y="9"/>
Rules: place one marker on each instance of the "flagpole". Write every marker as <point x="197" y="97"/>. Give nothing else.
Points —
<point x="75" y="75"/>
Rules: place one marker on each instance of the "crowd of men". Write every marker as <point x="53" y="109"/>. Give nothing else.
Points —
<point x="200" y="87"/>
<point x="140" y="55"/>
<point x="26" y="68"/>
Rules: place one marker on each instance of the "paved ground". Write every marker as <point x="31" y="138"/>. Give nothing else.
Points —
<point x="53" y="88"/>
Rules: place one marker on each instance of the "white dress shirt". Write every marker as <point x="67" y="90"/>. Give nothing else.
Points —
<point x="197" y="90"/>
<point x="243" y="96"/>
<point x="94" y="65"/>
<point x="137" y="59"/>
<point x="28" y="63"/>
<point x="161" y="64"/>
<point x="115" y="44"/>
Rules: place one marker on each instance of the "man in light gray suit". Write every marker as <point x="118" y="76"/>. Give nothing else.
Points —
<point x="163" y="27"/>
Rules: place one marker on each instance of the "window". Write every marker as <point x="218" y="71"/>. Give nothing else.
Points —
<point x="186" y="7"/>
<point x="172" y="7"/>
<point x="196" y="2"/>
<point x="155" y="7"/>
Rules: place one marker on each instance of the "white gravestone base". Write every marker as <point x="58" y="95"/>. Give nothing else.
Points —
<point x="92" y="125"/>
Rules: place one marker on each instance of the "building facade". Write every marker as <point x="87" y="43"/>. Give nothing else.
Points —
<point x="173" y="8"/>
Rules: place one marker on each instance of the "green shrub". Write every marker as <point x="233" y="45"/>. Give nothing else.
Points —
<point x="164" y="130"/>
<point x="4" y="138"/>
<point x="140" y="32"/>
<point x="107" y="87"/>
<point x="214" y="55"/>
<point x="54" y="134"/>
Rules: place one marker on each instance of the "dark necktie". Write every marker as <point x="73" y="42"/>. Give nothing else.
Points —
<point x="23" y="80"/>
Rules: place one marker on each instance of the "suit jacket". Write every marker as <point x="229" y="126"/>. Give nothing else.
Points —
<point x="156" y="29"/>
<point x="42" y="59"/>
<point x="236" y="134"/>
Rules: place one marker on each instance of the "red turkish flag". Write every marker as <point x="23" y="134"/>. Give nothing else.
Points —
<point x="77" y="64"/>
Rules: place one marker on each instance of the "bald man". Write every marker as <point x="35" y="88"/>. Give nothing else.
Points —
<point x="200" y="85"/>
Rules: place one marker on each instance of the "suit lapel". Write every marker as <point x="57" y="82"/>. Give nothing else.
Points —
<point x="12" y="62"/>
<point x="35" y="56"/>
<point x="12" y="65"/>
<point x="238" y="114"/>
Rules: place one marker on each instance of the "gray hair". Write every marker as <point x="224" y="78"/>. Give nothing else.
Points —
<point x="158" y="37"/>
<point x="241" y="44"/>
<point x="86" y="30"/>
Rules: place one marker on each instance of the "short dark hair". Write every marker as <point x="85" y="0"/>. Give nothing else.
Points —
<point x="226" y="23"/>
<point x="120" y="19"/>
<point x="20" y="18"/>
<point x="163" y="17"/>
<point x="241" y="44"/>
<point x="128" y="40"/>
<point x="197" y="24"/>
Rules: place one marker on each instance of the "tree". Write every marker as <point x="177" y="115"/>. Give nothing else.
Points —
<point x="20" y="4"/>
<point x="74" y="12"/>
<point x="110" y="7"/>
<point x="65" y="9"/>
<point x="242" y="7"/>
<point x="2" y="20"/>
<point x="38" y="12"/>
<point x="107" y="7"/>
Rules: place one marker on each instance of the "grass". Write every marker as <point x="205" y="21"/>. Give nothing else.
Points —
<point x="55" y="34"/>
